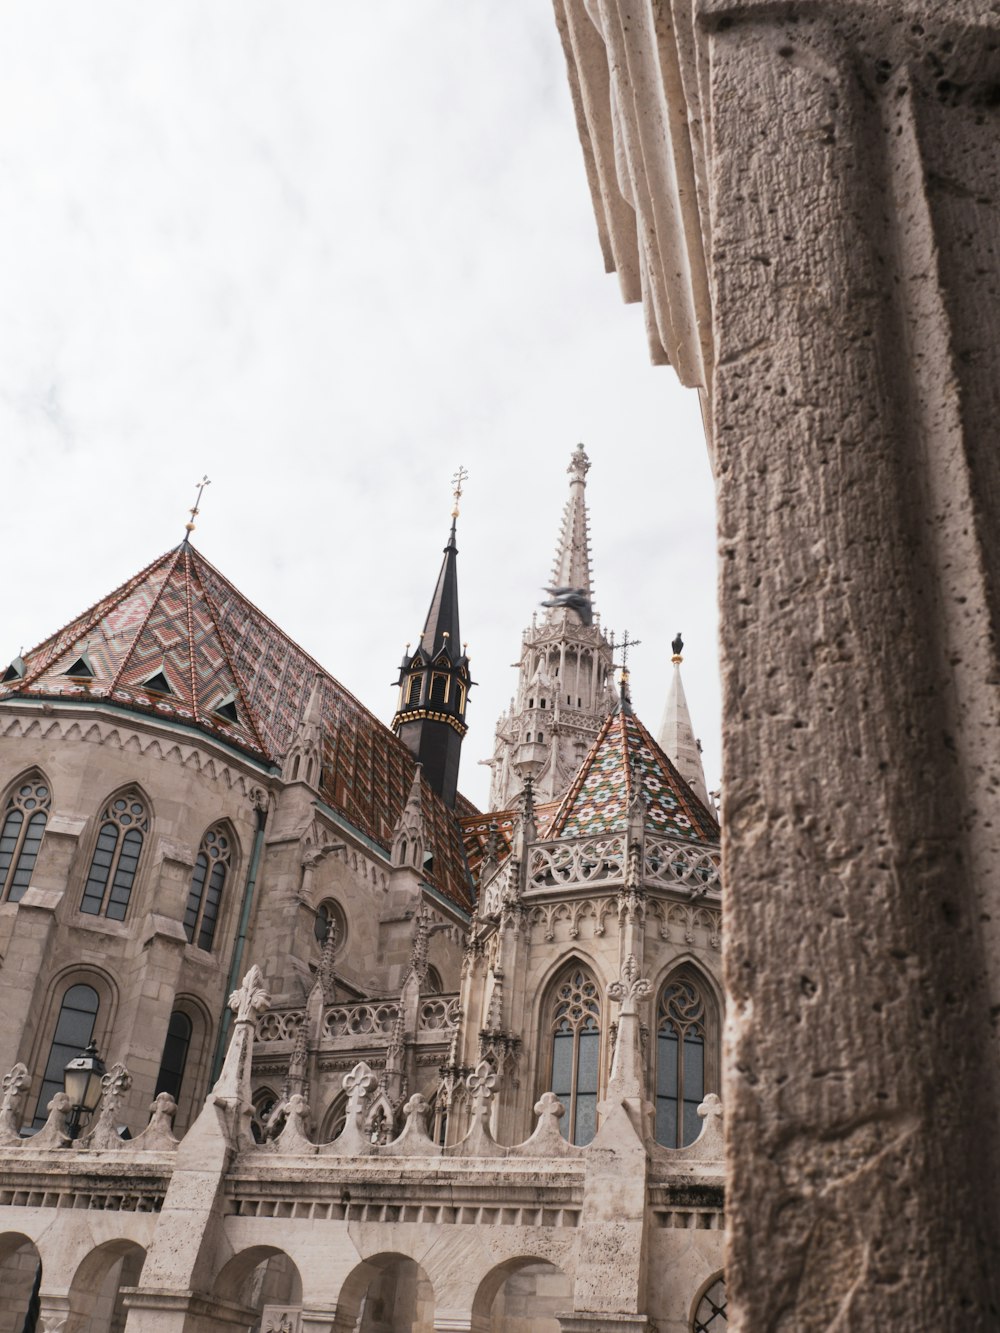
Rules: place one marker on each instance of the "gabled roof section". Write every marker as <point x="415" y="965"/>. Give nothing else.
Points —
<point x="236" y="676"/>
<point x="476" y="830"/>
<point x="623" y="757"/>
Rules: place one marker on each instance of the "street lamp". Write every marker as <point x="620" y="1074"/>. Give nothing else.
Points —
<point x="82" y="1085"/>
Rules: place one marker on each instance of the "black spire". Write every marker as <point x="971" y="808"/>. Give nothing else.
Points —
<point x="434" y="682"/>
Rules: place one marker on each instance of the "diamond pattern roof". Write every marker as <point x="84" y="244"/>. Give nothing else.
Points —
<point x="181" y="617"/>
<point x="624" y="755"/>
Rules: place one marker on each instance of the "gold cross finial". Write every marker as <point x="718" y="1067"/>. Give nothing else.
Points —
<point x="456" y="481"/>
<point x="189" y="527"/>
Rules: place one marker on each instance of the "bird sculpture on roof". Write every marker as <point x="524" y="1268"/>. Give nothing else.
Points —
<point x="573" y="599"/>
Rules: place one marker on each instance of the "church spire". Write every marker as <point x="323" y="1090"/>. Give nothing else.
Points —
<point x="571" y="575"/>
<point x="434" y="681"/>
<point x="677" y="739"/>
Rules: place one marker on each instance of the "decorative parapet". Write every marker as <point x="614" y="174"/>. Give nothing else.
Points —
<point x="585" y="863"/>
<point x="365" y="1018"/>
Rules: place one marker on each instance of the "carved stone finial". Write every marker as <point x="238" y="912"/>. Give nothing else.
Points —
<point x="327" y="973"/>
<point x="114" y="1085"/>
<point x="53" y="1132"/>
<point x="15" y="1091"/>
<point x="481" y="1083"/>
<point x="630" y="987"/>
<point x="549" y="1104"/>
<point x="252" y="997"/>
<point x="158" y="1134"/>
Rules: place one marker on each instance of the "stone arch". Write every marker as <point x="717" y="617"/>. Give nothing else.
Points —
<point x="708" y="1309"/>
<point x="261" y="1275"/>
<point x="20" y="1276"/>
<point x="386" y="1293"/>
<point x="89" y="845"/>
<point x="525" y="1294"/>
<point x="96" y="1300"/>
<point x="575" y="1035"/>
<point x="264" y="1100"/>
<point x="333" y="1119"/>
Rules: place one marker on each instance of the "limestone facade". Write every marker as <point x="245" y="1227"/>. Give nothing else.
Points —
<point x="386" y="1063"/>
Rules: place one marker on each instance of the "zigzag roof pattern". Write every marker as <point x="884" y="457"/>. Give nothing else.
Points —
<point x="180" y="619"/>
<point x="624" y="757"/>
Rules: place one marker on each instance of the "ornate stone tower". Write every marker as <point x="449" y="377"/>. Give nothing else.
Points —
<point x="434" y="682"/>
<point x="565" y="686"/>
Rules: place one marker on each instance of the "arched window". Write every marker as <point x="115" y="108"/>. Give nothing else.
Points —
<point x="710" y="1312"/>
<point x="432" y="982"/>
<point x="327" y="913"/>
<point x="413" y="697"/>
<point x="74" y="1029"/>
<point x="116" y="856"/>
<point x="21" y="836"/>
<point x="680" y="1062"/>
<point x="439" y="689"/>
<point x="207" y="883"/>
<point x="174" y="1057"/>
<point x="576" y="1043"/>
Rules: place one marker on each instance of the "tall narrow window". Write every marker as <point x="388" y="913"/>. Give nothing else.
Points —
<point x="21" y="835"/>
<point x="116" y="856"/>
<point x="576" y="1043"/>
<point x="413" y="697"/>
<point x="74" y="1029"/>
<point x="175" y="1054"/>
<point x="439" y="689"/>
<point x="680" y="1062"/>
<point x="207" y="883"/>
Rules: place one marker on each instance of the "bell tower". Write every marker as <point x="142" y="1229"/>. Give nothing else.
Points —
<point x="434" y="680"/>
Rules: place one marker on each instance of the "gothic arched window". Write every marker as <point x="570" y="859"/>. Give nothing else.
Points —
<point x="710" y="1312"/>
<point x="330" y="913"/>
<point x="207" y="883"/>
<point x="73" y="1030"/>
<point x="21" y="835"/>
<point x="680" y="1061"/>
<point x="124" y="823"/>
<point x="174" y="1057"/>
<point x="576" y="1043"/>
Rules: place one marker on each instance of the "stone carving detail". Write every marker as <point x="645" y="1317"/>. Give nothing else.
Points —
<point x="354" y="1140"/>
<point x="158" y="1134"/>
<point x="252" y="997"/>
<point x="583" y="861"/>
<point x="672" y="863"/>
<point x="114" y="1085"/>
<point x="15" y="1091"/>
<point x="53" y="1132"/>
<point x="280" y="1024"/>
<point x="630" y="987"/>
<point x="280" y="1319"/>
<point x="360" y="1019"/>
<point x="441" y="1013"/>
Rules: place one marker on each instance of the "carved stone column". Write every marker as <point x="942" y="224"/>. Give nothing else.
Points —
<point x="842" y="161"/>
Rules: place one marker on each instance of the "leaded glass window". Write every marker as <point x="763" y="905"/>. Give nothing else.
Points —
<point x="124" y="824"/>
<point x="21" y="836"/>
<point x="74" y="1029"/>
<point x="208" y="880"/>
<point x="680" y="1062"/>
<point x="175" y="1054"/>
<point x="576" y="1048"/>
<point x="710" y="1315"/>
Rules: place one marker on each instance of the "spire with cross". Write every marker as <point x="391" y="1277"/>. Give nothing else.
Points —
<point x="195" y="509"/>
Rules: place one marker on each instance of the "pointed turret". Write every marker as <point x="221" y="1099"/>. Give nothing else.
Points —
<point x="434" y="683"/>
<point x="676" y="736"/>
<point x="302" y="762"/>
<point x="565" y="685"/>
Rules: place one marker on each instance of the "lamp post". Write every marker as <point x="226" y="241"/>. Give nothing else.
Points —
<point x="82" y="1085"/>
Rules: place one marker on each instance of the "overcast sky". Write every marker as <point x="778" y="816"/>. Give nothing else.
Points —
<point x="325" y="252"/>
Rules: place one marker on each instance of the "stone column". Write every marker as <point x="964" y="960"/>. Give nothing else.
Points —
<point x="834" y="168"/>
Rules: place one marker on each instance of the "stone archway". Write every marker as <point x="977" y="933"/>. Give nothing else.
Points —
<point x="388" y="1293"/>
<point x="96" y="1300"/>
<point x="523" y="1295"/>
<point x="264" y="1280"/>
<point x="20" y="1274"/>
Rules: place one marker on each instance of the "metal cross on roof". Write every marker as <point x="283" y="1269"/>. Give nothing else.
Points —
<point x="624" y="645"/>
<point x="456" y="481"/>
<point x="189" y="527"/>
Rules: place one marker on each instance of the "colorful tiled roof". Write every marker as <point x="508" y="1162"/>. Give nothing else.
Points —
<point x="624" y="754"/>
<point x="181" y="619"/>
<point x="476" y="831"/>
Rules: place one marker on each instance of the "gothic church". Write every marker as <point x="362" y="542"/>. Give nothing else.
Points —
<point x="369" y="1059"/>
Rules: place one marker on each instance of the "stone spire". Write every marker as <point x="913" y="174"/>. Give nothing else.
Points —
<point x="676" y="737"/>
<point x="302" y="762"/>
<point x="434" y="681"/>
<point x="565" y="687"/>
<point x="571" y="567"/>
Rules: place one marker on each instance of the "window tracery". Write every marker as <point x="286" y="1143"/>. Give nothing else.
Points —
<point x="576" y="1040"/>
<point x="680" y="1061"/>
<point x="21" y="836"/>
<point x="710" y="1313"/>
<point x="208" y="881"/>
<point x="113" y="866"/>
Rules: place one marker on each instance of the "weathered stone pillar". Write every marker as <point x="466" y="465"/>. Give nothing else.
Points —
<point x="843" y="159"/>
